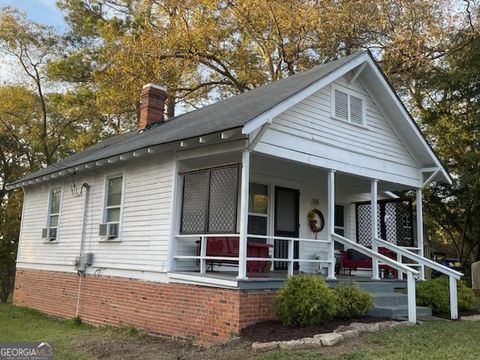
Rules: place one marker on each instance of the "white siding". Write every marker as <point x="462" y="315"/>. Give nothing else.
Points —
<point x="145" y="225"/>
<point x="308" y="133"/>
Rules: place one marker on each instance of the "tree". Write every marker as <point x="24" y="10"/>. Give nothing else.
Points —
<point x="205" y="49"/>
<point x="451" y="115"/>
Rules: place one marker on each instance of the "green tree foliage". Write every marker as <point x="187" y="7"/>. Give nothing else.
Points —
<point x="206" y="49"/>
<point x="450" y="113"/>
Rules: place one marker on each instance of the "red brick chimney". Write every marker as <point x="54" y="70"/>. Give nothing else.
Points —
<point x="152" y="105"/>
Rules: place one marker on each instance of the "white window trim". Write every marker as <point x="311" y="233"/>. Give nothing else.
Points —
<point x="50" y="190"/>
<point x="349" y="93"/>
<point x="105" y="207"/>
<point x="345" y="219"/>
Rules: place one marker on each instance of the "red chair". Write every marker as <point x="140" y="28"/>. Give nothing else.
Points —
<point x="229" y="247"/>
<point x="352" y="260"/>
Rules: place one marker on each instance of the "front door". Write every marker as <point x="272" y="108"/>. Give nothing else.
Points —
<point x="286" y="224"/>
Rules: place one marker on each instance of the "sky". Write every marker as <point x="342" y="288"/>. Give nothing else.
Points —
<point x="41" y="11"/>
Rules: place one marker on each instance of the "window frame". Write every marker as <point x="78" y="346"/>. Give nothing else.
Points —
<point x="105" y="208"/>
<point x="349" y="93"/>
<point x="49" y="213"/>
<point x="267" y="215"/>
<point x="344" y="227"/>
<point x="207" y="203"/>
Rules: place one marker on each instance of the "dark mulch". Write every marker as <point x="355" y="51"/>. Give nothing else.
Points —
<point x="274" y="330"/>
<point x="460" y="314"/>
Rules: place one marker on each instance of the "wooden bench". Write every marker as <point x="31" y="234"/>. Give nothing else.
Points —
<point x="229" y="247"/>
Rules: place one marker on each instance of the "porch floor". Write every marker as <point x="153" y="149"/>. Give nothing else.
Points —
<point x="268" y="280"/>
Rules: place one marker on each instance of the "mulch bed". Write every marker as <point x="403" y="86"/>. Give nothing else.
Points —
<point x="460" y="314"/>
<point x="274" y="330"/>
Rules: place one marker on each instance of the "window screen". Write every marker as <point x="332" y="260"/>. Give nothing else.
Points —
<point x="209" y="203"/>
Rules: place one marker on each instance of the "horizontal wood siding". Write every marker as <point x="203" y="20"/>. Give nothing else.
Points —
<point x="145" y="221"/>
<point x="307" y="132"/>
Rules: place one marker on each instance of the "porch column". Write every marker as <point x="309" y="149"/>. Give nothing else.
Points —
<point x="331" y="223"/>
<point x="373" y="206"/>
<point x="420" y="230"/>
<point x="242" y="248"/>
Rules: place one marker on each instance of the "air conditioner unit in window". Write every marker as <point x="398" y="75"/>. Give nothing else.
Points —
<point x="108" y="231"/>
<point x="49" y="234"/>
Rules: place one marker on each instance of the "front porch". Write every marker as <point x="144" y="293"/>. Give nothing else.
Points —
<point x="246" y="223"/>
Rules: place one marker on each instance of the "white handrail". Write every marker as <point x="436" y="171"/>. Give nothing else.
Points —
<point x="319" y="241"/>
<point x="453" y="275"/>
<point x="420" y="259"/>
<point x="385" y="259"/>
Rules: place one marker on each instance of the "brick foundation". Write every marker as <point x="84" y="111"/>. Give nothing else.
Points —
<point x="205" y="314"/>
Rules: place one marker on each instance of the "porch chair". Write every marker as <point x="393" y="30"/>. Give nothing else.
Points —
<point x="352" y="260"/>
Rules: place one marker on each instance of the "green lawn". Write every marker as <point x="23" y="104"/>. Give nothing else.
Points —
<point x="432" y="340"/>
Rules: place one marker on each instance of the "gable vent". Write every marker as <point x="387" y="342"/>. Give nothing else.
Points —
<point x="341" y="105"/>
<point x="356" y="110"/>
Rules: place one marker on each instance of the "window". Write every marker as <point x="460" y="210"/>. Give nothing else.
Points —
<point x="113" y="207"/>
<point x="53" y="214"/>
<point x="209" y="202"/>
<point x="258" y="211"/>
<point x="348" y="107"/>
<point x="339" y="224"/>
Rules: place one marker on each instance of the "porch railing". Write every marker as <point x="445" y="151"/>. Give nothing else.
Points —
<point x="290" y="259"/>
<point x="411" y="273"/>
<point x="453" y="275"/>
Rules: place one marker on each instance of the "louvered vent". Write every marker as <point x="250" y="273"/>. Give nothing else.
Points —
<point x="356" y="110"/>
<point x="341" y="105"/>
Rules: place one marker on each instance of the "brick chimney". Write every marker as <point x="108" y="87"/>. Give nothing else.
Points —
<point x="152" y="105"/>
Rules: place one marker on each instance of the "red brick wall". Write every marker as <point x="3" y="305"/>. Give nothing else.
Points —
<point x="205" y="314"/>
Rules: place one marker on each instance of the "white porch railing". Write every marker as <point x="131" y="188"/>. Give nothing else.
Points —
<point x="422" y="261"/>
<point x="290" y="259"/>
<point x="411" y="273"/>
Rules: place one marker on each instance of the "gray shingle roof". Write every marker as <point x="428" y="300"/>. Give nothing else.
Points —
<point x="223" y="115"/>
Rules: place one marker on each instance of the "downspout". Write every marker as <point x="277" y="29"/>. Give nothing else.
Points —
<point x="82" y="243"/>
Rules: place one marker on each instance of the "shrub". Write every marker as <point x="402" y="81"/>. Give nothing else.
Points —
<point x="352" y="302"/>
<point x="435" y="294"/>
<point x="305" y="300"/>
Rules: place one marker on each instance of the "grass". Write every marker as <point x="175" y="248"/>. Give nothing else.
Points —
<point x="26" y="325"/>
<point x="432" y="340"/>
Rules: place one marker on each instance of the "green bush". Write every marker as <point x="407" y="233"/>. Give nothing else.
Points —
<point x="352" y="302"/>
<point x="305" y="300"/>
<point x="435" y="294"/>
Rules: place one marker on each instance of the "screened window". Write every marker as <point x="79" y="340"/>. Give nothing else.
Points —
<point x="339" y="225"/>
<point x="54" y="212"/>
<point x="348" y="107"/>
<point x="258" y="210"/>
<point x="113" y="201"/>
<point x="209" y="202"/>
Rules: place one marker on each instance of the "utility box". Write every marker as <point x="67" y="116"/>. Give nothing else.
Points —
<point x="476" y="278"/>
<point x="83" y="261"/>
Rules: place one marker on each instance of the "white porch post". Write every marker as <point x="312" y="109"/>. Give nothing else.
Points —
<point x="453" y="298"/>
<point x="420" y="230"/>
<point x="331" y="223"/>
<point x="373" y="206"/>
<point x="242" y="248"/>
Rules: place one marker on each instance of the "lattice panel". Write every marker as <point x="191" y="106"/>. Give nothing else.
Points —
<point x="364" y="224"/>
<point x="395" y="222"/>
<point x="223" y="200"/>
<point x="195" y="198"/>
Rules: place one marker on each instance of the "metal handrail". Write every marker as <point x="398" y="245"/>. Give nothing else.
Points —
<point x="385" y="259"/>
<point x="420" y="259"/>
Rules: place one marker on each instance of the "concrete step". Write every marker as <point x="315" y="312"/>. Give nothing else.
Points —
<point x="381" y="286"/>
<point x="389" y="299"/>
<point x="398" y="312"/>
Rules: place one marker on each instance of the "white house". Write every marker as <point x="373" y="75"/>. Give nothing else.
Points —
<point x="188" y="225"/>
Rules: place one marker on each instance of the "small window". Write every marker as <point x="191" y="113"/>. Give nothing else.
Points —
<point x="113" y="205"/>
<point x="339" y="224"/>
<point x="258" y="211"/>
<point x="348" y="107"/>
<point x="53" y="213"/>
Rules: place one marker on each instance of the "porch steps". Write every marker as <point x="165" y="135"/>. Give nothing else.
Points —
<point x="387" y="301"/>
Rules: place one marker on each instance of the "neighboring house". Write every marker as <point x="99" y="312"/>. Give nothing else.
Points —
<point x="132" y="214"/>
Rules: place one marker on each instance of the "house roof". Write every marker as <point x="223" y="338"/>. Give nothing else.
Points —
<point x="231" y="113"/>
